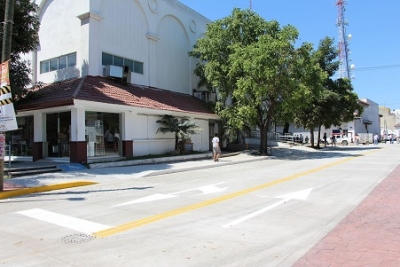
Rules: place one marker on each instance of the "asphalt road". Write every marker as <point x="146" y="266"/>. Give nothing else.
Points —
<point x="264" y="213"/>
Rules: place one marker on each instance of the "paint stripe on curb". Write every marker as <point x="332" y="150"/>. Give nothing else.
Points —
<point x="44" y="188"/>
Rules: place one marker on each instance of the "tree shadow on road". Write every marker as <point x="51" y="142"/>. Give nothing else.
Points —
<point x="75" y="194"/>
<point x="306" y="153"/>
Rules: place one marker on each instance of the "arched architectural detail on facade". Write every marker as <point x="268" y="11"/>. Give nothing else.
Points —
<point x="127" y="31"/>
<point x="172" y="50"/>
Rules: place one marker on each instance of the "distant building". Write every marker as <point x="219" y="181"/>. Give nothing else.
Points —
<point x="390" y="121"/>
<point x="368" y="121"/>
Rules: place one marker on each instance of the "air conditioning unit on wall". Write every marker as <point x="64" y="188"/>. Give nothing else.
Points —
<point x="126" y="75"/>
<point x="113" y="71"/>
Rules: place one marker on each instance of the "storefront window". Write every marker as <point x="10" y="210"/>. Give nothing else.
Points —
<point x="20" y="141"/>
<point x="102" y="134"/>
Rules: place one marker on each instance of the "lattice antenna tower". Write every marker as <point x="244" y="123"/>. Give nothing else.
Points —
<point x="345" y="70"/>
<point x="251" y="5"/>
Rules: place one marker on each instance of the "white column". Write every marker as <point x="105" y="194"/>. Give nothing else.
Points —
<point x="39" y="129"/>
<point x="77" y="124"/>
<point x="152" y="66"/>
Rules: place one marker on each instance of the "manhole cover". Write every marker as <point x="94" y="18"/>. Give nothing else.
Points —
<point x="77" y="239"/>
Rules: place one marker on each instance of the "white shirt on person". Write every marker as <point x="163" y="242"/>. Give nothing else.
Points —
<point x="215" y="141"/>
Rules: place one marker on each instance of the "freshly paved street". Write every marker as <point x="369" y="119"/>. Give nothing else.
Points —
<point x="334" y="207"/>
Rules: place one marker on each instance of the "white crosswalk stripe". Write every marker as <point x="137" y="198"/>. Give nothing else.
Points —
<point x="73" y="223"/>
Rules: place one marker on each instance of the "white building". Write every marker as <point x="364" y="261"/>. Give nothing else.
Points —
<point x="143" y="42"/>
<point x="368" y="121"/>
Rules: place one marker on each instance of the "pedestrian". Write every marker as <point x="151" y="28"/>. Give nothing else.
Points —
<point x="357" y="139"/>
<point x="324" y="139"/>
<point x="375" y="139"/>
<point x="333" y="138"/>
<point x="216" y="148"/>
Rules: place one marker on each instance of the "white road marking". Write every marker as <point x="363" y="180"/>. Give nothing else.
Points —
<point x="299" y="195"/>
<point x="208" y="189"/>
<point x="147" y="199"/>
<point x="79" y="225"/>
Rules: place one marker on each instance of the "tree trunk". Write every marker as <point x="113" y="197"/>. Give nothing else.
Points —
<point x="319" y="136"/>
<point x="312" y="137"/>
<point x="286" y="128"/>
<point x="264" y="140"/>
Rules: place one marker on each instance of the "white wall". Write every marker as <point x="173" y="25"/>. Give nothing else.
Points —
<point x="142" y="129"/>
<point x="59" y="35"/>
<point x="159" y="33"/>
<point x="371" y="113"/>
<point x="202" y="139"/>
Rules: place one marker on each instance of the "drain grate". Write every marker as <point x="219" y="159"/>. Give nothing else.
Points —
<point x="77" y="238"/>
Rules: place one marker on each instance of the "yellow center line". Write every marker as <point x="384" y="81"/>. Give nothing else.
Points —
<point x="171" y="213"/>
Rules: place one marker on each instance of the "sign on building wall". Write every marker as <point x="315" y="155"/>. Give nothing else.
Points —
<point x="8" y="121"/>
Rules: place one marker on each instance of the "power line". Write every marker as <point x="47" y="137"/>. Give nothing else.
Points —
<point x="377" y="68"/>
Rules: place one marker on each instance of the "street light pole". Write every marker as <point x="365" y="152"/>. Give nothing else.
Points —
<point x="6" y="55"/>
<point x="7" y="30"/>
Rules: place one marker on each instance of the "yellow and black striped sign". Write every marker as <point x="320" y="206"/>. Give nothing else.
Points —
<point x="5" y="101"/>
<point x="5" y="90"/>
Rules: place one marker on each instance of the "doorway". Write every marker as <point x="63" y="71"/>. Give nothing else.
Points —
<point x="58" y="127"/>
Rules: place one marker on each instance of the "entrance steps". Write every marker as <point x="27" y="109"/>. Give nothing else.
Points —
<point x="24" y="171"/>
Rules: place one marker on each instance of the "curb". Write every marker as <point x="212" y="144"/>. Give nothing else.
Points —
<point x="149" y="161"/>
<point x="152" y="161"/>
<point x="44" y="188"/>
<point x="203" y="167"/>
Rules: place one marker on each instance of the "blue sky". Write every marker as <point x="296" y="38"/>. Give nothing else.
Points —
<point x="373" y="25"/>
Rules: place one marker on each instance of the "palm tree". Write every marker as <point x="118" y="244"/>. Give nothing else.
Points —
<point x="182" y="127"/>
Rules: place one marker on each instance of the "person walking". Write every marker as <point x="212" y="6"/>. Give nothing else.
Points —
<point x="375" y="139"/>
<point x="216" y="148"/>
<point x="324" y="139"/>
<point x="333" y="138"/>
<point x="357" y="137"/>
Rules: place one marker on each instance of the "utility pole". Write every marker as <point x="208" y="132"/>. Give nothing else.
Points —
<point x="7" y="30"/>
<point x="6" y="55"/>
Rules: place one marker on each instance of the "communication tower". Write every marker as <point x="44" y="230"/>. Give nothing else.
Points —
<point x="345" y="70"/>
<point x="251" y="5"/>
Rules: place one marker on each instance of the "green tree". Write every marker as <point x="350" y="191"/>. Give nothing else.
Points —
<point x="251" y="62"/>
<point x="24" y="39"/>
<point x="182" y="127"/>
<point x="335" y="103"/>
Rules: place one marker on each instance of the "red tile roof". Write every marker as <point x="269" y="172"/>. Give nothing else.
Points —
<point x="105" y="90"/>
